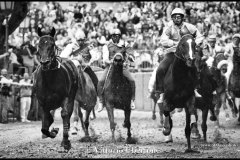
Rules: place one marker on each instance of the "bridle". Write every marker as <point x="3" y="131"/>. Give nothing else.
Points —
<point x="53" y="57"/>
<point x="178" y="56"/>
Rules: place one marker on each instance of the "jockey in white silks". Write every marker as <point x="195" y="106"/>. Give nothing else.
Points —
<point x="210" y="50"/>
<point x="79" y="52"/>
<point x="229" y="52"/>
<point x="77" y="44"/>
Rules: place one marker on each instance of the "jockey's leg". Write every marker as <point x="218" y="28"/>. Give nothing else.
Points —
<point x="100" y="89"/>
<point x="92" y="75"/>
<point x="160" y="74"/>
<point x="127" y="74"/>
<point x="152" y="81"/>
<point x="227" y="75"/>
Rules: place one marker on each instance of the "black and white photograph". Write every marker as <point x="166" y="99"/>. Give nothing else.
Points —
<point x="119" y="79"/>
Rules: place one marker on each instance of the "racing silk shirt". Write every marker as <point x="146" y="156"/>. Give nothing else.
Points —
<point x="69" y="50"/>
<point x="171" y="35"/>
<point x="111" y="48"/>
<point x="231" y="50"/>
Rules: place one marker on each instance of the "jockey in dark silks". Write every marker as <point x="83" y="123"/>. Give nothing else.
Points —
<point x="115" y="45"/>
<point x="172" y="34"/>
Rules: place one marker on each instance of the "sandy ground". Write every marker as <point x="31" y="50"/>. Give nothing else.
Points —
<point x="19" y="140"/>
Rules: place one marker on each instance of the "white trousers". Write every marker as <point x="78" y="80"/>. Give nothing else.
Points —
<point x="152" y="80"/>
<point x="25" y="104"/>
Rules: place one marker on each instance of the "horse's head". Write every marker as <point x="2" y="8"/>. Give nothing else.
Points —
<point x="118" y="59"/>
<point x="186" y="50"/>
<point x="46" y="48"/>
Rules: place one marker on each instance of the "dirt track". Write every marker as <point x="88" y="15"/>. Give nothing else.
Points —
<point x="20" y="140"/>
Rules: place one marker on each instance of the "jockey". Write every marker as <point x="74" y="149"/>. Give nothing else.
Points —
<point x="210" y="50"/>
<point x="79" y="52"/>
<point x="113" y="46"/>
<point x="171" y="35"/>
<point x="232" y="49"/>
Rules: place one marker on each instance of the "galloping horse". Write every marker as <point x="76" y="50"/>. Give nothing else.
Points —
<point x="179" y="84"/>
<point x="56" y="85"/>
<point x="207" y="84"/>
<point x="117" y="94"/>
<point x="218" y="74"/>
<point x="234" y="85"/>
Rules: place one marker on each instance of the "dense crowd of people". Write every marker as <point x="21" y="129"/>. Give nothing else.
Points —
<point x="141" y="24"/>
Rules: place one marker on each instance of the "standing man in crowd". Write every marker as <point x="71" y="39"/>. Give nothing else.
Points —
<point x="115" y="45"/>
<point x="25" y="97"/>
<point x="5" y="93"/>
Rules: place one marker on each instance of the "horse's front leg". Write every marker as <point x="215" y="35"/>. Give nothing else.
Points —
<point x="194" y="127"/>
<point x="204" y="123"/>
<point x="189" y="109"/>
<point x="47" y="121"/>
<point x="167" y="124"/>
<point x="67" y="109"/>
<point x="110" y="112"/>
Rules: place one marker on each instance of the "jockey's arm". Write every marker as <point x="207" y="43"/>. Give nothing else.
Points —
<point x="67" y="51"/>
<point x="130" y="52"/>
<point x="165" y="38"/>
<point x="105" y="55"/>
<point x="199" y="37"/>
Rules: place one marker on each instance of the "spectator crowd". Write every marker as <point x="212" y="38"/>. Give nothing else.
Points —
<point x="141" y="24"/>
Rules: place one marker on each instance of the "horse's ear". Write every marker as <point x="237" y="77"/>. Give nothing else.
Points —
<point x="39" y="32"/>
<point x="53" y="31"/>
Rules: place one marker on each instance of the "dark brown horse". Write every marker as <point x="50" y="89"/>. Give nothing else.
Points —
<point x="56" y="84"/>
<point x="117" y="94"/>
<point x="221" y="96"/>
<point x="234" y="85"/>
<point x="87" y="98"/>
<point x="179" y="84"/>
<point x="206" y="86"/>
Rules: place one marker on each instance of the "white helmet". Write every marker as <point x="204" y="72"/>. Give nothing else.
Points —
<point x="178" y="11"/>
<point x="80" y="35"/>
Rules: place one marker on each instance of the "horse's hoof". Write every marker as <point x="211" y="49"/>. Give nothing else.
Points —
<point x="66" y="145"/>
<point x="86" y="139"/>
<point x="213" y="118"/>
<point x="54" y="132"/>
<point x="191" y="151"/>
<point x="131" y="140"/>
<point x="44" y="136"/>
<point x="166" y="132"/>
<point x="168" y="139"/>
<point x="92" y="118"/>
<point x="195" y="136"/>
<point x="153" y="116"/>
<point x="74" y="131"/>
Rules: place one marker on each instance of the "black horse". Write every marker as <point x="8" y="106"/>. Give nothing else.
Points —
<point x="56" y="84"/>
<point x="207" y="85"/>
<point x="234" y="85"/>
<point x="117" y="94"/>
<point x="221" y="96"/>
<point x="179" y="84"/>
